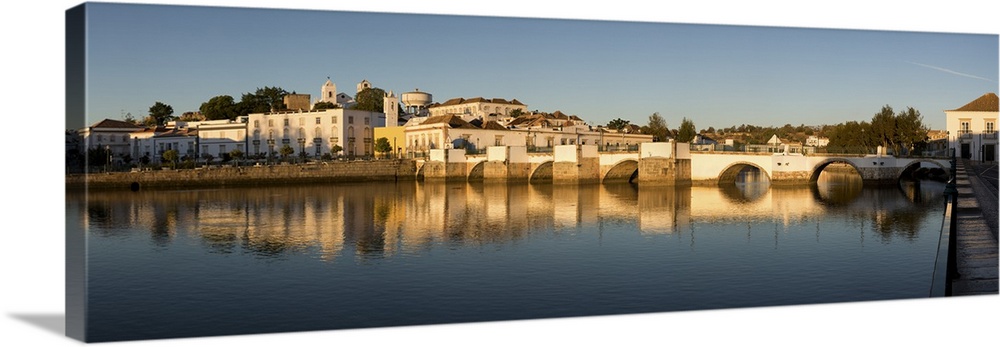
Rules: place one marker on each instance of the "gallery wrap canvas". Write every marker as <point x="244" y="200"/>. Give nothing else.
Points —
<point x="235" y="171"/>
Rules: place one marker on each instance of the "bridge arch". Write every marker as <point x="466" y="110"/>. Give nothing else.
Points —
<point x="478" y="171"/>
<point x="542" y="173"/>
<point x="625" y="170"/>
<point x="730" y="173"/>
<point x="818" y="168"/>
<point x="915" y="166"/>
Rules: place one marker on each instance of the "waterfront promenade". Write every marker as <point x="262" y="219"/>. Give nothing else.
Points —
<point x="977" y="229"/>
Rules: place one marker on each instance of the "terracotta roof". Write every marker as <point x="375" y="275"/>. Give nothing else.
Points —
<point x="111" y="123"/>
<point x="985" y="103"/>
<point x="451" y="120"/>
<point x="458" y="101"/>
<point x="178" y="133"/>
<point x="493" y="125"/>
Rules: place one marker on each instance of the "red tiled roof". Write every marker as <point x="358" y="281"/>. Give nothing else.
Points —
<point x="986" y="103"/>
<point x="450" y="120"/>
<point x="493" y="125"/>
<point x="111" y="123"/>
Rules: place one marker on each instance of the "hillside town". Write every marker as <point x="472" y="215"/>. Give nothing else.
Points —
<point x="409" y="125"/>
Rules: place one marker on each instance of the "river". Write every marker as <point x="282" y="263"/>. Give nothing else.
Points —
<point x="180" y="263"/>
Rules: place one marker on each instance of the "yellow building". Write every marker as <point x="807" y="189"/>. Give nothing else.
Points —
<point x="396" y="138"/>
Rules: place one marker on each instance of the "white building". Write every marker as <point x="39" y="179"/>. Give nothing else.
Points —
<point x="451" y="131"/>
<point x="313" y="132"/>
<point x="217" y="137"/>
<point x="112" y="135"/>
<point x="817" y="141"/>
<point x="972" y="129"/>
<point x="485" y="109"/>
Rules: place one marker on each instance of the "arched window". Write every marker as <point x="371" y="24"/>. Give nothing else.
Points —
<point x="318" y="132"/>
<point x="284" y="134"/>
<point x="256" y="134"/>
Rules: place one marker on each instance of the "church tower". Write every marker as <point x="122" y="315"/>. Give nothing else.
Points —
<point x="329" y="92"/>
<point x="390" y="107"/>
<point x="363" y="85"/>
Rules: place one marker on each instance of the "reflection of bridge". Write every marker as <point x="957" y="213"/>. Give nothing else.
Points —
<point x="668" y="163"/>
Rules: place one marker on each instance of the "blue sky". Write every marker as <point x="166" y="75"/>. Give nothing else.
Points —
<point x="716" y="75"/>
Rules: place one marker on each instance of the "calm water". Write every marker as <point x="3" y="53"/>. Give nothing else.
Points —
<point x="251" y="260"/>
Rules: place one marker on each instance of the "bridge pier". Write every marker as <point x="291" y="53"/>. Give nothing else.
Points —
<point x="505" y="163"/>
<point x="446" y="165"/>
<point x="575" y="164"/>
<point x="664" y="163"/>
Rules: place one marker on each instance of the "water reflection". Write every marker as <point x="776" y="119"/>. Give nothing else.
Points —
<point x="379" y="220"/>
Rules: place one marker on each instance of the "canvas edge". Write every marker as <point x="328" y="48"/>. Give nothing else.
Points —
<point x="76" y="255"/>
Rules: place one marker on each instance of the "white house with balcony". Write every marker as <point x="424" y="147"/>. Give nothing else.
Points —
<point x="972" y="129"/>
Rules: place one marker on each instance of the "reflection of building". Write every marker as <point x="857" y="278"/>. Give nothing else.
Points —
<point x="972" y="129"/>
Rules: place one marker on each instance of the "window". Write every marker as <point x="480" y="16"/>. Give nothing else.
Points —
<point x="498" y="141"/>
<point x="204" y="149"/>
<point x="317" y="120"/>
<point x="222" y="149"/>
<point x="350" y="119"/>
<point x="302" y="121"/>
<point x="270" y="122"/>
<point x="286" y="122"/>
<point x="333" y="119"/>
<point x="991" y="126"/>
<point x="366" y="120"/>
<point x="100" y="138"/>
<point x="963" y="127"/>
<point x="124" y="138"/>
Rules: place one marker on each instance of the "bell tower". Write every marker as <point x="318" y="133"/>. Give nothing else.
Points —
<point x="328" y="92"/>
<point x="390" y="107"/>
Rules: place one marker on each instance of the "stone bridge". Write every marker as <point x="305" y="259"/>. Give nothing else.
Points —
<point x="660" y="163"/>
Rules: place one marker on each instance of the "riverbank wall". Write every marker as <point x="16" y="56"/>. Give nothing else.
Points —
<point x="217" y="177"/>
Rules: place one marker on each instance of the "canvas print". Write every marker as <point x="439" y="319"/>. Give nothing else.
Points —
<point x="241" y="171"/>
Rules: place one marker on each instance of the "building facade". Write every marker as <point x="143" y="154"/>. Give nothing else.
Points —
<point x="972" y="129"/>
<point x="112" y="135"/>
<point x="482" y="108"/>
<point x="313" y="133"/>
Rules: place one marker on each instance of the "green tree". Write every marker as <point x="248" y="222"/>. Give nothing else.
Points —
<point x="324" y="105"/>
<point x="236" y="154"/>
<point x="130" y="119"/>
<point x="263" y="100"/>
<point x="286" y="150"/>
<point x="382" y="145"/>
<point x="161" y="113"/>
<point x="171" y="157"/>
<point x="516" y="113"/>
<point x="657" y="127"/>
<point x="883" y="127"/>
<point x="911" y="133"/>
<point x="97" y="156"/>
<point x="219" y="107"/>
<point x="369" y="99"/>
<point x="686" y="132"/>
<point x="335" y="150"/>
<point x="191" y="117"/>
<point x="618" y="124"/>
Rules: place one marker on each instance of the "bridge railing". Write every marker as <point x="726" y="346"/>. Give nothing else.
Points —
<point x="946" y="262"/>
